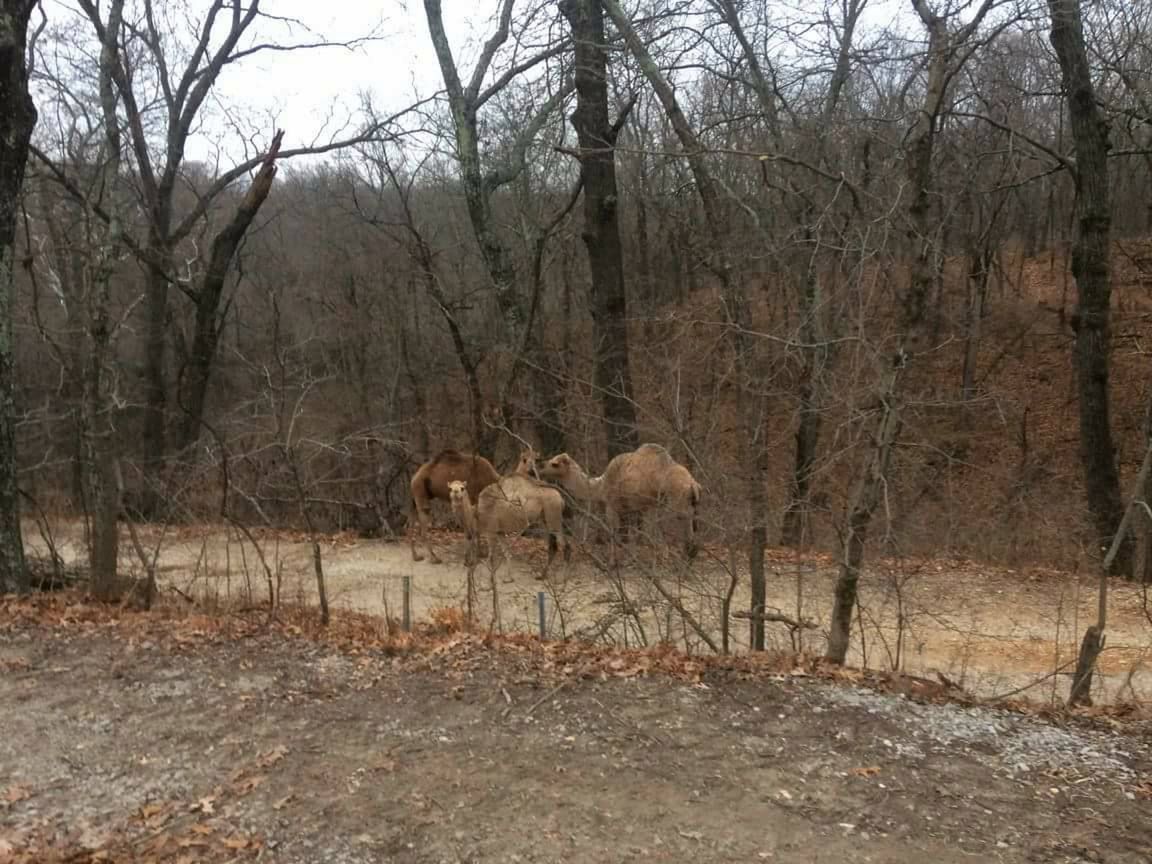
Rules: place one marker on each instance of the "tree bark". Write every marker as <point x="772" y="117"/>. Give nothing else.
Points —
<point x="597" y="139"/>
<point x="17" y="120"/>
<point x="224" y="246"/>
<point x="153" y="439"/>
<point x="100" y="431"/>
<point x="462" y="101"/>
<point x="1091" y="269"/>
<point x="861" y="508"/>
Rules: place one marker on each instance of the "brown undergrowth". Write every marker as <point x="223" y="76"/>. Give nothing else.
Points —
<point x="449" y="642"/>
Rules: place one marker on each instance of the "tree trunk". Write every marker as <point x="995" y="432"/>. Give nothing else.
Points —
<point x="17" y="119"/>
<point x="224" y="247"/>
<point x="153" y="440"/>
<point x="860" y="511"/>
<point x="1145" y="570"/>
<point x="757" y="543"/>
<point x="979" y="271"/>
<point x="477" y="186"/>
<point x="597" y="139"/>
<point x="104" y="488"/>
<point x="795" y="529"/>
<point x="1090" y="267"/>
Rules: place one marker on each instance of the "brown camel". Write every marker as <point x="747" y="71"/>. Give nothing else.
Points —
<point x="645" y="479"/>
<point x="431" y="482"/>
<point x="508" y="507"/>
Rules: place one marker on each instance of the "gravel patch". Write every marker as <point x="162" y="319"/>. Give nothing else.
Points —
<point x="1007" y="742"/>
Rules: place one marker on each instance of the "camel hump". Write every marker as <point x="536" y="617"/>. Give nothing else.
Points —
<point x="654" y="449"/>
<point x="452" y="458"/>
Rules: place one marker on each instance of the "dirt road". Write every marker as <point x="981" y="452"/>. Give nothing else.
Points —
<point x="992" y="630"/>
<point x="159" y="750"/>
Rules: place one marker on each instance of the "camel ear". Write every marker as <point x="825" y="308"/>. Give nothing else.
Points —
<point x="563" y="460"/>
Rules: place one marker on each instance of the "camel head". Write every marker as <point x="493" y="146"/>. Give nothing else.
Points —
<point x="458" y="492"/>
<point x="558" y="468"/>
<point x="527" y="463"/>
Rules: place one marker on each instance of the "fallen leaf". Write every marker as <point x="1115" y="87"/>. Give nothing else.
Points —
<point x="154" y="815"/>
<point x="201" y="828"/>
<point x="16" y="793"/>
<point x="870" y="771"/>
<point x="237" y="842"/>
<point x="243" y="787"/>
<point x="282" y="803"/>
<point x="206" y="804"/>
<point x="266" y="760"/>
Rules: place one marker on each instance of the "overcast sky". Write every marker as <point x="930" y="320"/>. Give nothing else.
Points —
<point x="315" y="94"/>
<point x="312" y="94"/>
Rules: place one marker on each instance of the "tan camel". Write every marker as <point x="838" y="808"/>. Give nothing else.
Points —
<point x="431" y="482"/>
<point x="636" y="482"/>
<point x="508" y="507"/>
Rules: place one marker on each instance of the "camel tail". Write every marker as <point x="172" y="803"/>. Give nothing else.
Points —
<point x="694" y="538"/>
<point x="695" y="509"/>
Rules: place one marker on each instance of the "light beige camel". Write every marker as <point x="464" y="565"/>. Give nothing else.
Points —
<point x="431" y="482"/>
<point x="633" y="483"/>
<point x="508" y="507"/>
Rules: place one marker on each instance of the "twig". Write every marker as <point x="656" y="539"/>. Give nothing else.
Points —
<point x="546" y="697"/>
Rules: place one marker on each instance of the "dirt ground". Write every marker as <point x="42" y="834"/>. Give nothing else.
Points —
<point x="174" y="744"/>
<point x="992" y="630"/>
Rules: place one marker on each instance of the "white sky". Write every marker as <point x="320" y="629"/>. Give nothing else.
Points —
<point x="316" y="94"/>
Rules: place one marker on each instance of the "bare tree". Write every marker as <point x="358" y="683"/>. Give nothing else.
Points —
<point x="597" y="139"/>
<point x="480" y="182"/>
<point x="1091" y="268"/>
<point x="103" y="472"/>
<point x="210" y="292"/>
<point x="161" y="99"/>
<point x="948" y="50"/>
<point x="735" y="307"/>
<point x="17" y="120"/>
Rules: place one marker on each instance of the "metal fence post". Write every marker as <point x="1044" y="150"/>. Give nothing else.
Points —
<point x="540" y="612"/>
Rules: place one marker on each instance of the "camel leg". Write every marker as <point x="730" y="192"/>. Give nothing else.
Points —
<point x="415" y="524"/>
<point x="471" y="550"/>
<point x="612" y="519"/>
<point x="563" y="537"/>
<point x="426" y="525"/>
<point x="691" y="547"/>
<point x="551" y="557"/>
<point x="495" y="551"/>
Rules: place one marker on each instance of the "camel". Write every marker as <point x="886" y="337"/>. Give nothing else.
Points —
<point x="508" y="507"/>
<point x="633" y="483"/>
<point x="431" y="482"/>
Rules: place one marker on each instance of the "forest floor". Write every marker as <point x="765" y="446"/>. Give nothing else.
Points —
<point x="992" y="630"/>
<point x="175" y="736"/>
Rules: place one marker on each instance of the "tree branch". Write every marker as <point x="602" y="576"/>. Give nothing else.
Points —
<point x="490" y="48"/>
<point x="497" y="177"/>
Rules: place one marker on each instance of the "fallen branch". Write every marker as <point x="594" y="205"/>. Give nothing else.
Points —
<point x="777" y="618"/>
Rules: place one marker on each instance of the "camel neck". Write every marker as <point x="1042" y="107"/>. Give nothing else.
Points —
<point x="589" y="488"/>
